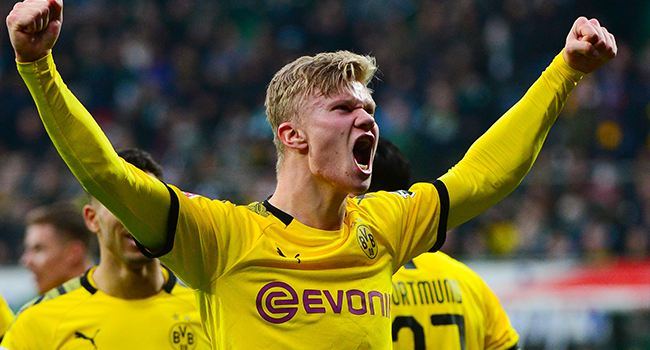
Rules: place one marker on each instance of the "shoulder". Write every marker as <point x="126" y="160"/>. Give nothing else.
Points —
<point x="39" y="317"/>
<point x="205" y="207"/>
<point x="420" y="191"/>
<point x="174" y="287"/>
<point x="183" y="293"/>
<point x="443" y="262"/>
<point x="66" y="288"/>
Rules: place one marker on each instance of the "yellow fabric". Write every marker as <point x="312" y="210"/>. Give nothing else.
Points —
<point x="79" y="319"/>
<point x="6" y="316"/>
<point x="238" y="256"/>
<point x="138" y="200"/>
<point x="440" y="285"/>
<point x="228" y="253"/>
<point x="491" y="169"/>
<point x="498" y="161"/>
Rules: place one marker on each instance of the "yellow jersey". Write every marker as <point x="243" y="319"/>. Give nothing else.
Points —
<point x="261" y="269"/>
<point x="440" y="303"/>
<point x="264" y="280"/>
<point x="6" y="316"/>
<point x="76" y="315"/>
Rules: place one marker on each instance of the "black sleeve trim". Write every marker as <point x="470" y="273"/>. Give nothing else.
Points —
<point x="172" y="221"/>
<point x="444" y="214"/>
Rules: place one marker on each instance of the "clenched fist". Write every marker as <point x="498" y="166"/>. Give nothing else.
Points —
<point x="34" y="26"/>
<point x="589" y="45"/>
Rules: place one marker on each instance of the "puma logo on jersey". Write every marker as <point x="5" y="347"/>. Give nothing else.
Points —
<point x="284" y="256"/>
<point x="90" y="339"/>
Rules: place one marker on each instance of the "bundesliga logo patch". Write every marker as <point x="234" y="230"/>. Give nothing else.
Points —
<point x="366" y="241"/>
<point x="190" y="195"/>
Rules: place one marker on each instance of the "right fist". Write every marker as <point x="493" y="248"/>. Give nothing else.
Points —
<point x="34" y="26"/>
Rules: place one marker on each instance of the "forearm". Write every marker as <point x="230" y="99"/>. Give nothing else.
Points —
<point x="498" y="161"/>
<point x="138" y="200"/>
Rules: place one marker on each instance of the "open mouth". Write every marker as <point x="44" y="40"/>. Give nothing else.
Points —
<point x="362" y="152"/>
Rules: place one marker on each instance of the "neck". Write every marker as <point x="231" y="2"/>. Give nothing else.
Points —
<point x="316" y="205"/>
<point x="129" y="281"/>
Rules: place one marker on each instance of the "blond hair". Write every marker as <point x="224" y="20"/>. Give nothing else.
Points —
<point x="325" y="73"/>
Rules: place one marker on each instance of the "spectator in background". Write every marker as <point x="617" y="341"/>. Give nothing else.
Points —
<point x="437" y="301"/>
<point x="217" y="52"/>
<point x="57" y="245"/>
<point x="128" y="301"/>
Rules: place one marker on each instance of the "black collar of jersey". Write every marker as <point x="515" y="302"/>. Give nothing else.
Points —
<point x="281" y="215"/>
<point x="442" y="225"/>
<point x="171" y="281"/>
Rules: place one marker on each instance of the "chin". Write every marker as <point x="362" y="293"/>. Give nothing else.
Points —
<point x="363" y="188"/>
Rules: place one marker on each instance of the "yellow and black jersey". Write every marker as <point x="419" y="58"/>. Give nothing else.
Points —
<point x="440" y="303"/>
<point x="67" y="286"/>
<point x="260" y="269"/>
<point x="6" y="316"/>
<point x="254" y="267"/>
<point x="77" y="315"/>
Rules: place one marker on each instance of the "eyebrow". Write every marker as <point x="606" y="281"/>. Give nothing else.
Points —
<point x="353" y="101"/>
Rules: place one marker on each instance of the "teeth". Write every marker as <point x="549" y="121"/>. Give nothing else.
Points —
<point x="363" y="167"/>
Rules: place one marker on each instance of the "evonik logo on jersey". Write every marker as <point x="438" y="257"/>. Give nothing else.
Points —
<point x="278" y="302"/>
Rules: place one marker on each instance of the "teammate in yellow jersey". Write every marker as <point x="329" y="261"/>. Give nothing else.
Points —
<point x="307" y="266"/>
<point x="6" y="316"/>
<point x="128" y="301"/>
<point x="440" y="303"/>
<point x="437" y="301"/>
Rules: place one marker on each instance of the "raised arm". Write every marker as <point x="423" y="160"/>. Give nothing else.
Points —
<point x="498" y="161"/>
<point x="138" y="200"/>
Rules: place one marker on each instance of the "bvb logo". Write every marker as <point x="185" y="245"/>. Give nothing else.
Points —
<point x="367" y="241"/>
<point x="182" y="336"/>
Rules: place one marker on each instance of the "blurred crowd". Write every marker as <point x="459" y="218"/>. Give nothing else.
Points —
<point x="185" y="80"/>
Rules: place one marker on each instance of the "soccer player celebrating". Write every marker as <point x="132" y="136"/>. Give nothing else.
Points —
<point x="307" y="266"/>
<point x="128" y="301"/>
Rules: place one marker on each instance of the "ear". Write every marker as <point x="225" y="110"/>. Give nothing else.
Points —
<point x="291" y="136"/>
<point x="90" y="217"/>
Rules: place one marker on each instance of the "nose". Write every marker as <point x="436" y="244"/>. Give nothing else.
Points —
<point x="364" y="120"/>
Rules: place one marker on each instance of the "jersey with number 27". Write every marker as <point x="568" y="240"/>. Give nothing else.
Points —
<point x="440" y="303"/>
